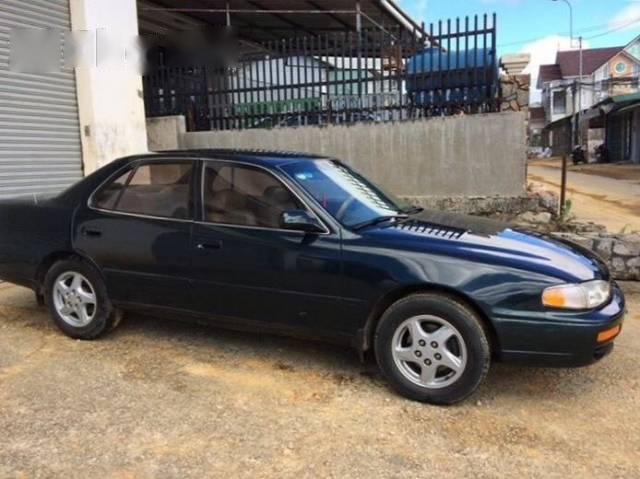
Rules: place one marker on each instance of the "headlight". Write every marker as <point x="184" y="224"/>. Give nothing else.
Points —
<point x="587" y="295"/>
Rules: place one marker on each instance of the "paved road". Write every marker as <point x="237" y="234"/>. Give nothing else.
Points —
<point x="168" y="399"/>
<point x="612" y="202"/>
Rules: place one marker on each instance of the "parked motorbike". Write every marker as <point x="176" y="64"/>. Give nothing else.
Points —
<point x="577" y="155"/>
<point x="602" y="153"/>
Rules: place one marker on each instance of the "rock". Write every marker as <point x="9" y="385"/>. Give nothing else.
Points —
<point x="632" y="238"/>
<point x="621" y="252"/>
<point x="634" y="262"/>
<point x="534" y="218"/>
<point x="548" y="200"/>
<point x="589" y="228"/>
<point x="626" y="248"/>
<point x="618" y="267"/>
<point x="604" y="247"/>
<point x="633" y="269"/>
<point x="488" y="205"/>
<point x="544" y="217"/>
<point x="584" y="241"/>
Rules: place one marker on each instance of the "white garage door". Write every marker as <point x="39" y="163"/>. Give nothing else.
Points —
<point x="40" y="150"/>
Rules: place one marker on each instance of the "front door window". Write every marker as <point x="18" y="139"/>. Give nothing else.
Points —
<point x="245" y="195"/>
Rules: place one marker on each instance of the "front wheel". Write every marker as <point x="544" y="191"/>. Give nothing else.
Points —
<point x="77" y="299"/>
<point x="432" y="348"/>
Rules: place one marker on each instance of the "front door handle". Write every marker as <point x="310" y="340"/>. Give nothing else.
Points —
<point x="90" y="232"/>
<point x="210" y="245"/>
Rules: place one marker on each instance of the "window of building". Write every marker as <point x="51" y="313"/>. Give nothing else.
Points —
<point x="621" y="67"/>
<point x="560" y="102"/>
<point x="245" y="195"/>
<point x="154" y="189"/>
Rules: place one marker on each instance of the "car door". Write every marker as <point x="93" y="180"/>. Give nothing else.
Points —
<point x="137" y="228"/>
<point x="247" y="267"/>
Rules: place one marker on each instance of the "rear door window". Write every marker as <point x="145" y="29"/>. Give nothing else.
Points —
<point x="154" y="189"/>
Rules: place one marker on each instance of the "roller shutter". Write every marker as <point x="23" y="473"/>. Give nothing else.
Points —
<point x="40" y="149"/>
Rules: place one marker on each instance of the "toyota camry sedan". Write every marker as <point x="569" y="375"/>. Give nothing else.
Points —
<point x="304" y="245"/>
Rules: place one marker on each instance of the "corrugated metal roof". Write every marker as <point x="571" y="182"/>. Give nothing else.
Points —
<point x="267" y="20"/>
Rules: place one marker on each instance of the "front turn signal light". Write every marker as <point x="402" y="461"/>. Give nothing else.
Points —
<point x="609" y="334"/>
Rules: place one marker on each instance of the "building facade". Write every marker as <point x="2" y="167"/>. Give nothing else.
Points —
<point x="607" y="74"/>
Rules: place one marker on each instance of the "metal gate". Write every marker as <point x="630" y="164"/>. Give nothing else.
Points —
<point x="40" y="148"/>
<point x="374" y="75"/>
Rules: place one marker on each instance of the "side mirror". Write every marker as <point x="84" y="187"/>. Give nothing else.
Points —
<point x="300" y="220"/>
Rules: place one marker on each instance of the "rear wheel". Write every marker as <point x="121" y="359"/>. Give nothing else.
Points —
<point x="432" y="348"/>
<point x="77" y="300"/>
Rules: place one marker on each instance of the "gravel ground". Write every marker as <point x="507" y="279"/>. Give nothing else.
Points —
<point x="165" y="399"/>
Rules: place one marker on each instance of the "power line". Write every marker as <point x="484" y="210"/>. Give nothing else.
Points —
<point x="614" y="29"/>
<point x="583" y="30"/>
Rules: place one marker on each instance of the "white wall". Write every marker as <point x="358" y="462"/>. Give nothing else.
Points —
<point x="110" y="100"/>
<point x="296" y="70"/>
<point x="279" y="72"/>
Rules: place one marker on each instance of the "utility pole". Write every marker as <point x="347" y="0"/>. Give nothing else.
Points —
<point x="579" y="114"/>
<point x="563" y="182"/>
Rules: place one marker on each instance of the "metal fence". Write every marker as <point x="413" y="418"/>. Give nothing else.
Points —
<point x="341" y="78"/>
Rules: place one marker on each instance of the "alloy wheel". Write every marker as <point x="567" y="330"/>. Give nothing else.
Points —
<point x="74" y="299"/>
<point x="429" y="351"/>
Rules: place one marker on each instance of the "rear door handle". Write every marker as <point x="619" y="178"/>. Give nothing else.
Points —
<point x="90" y="232"/>
<point x="210" y="245"/>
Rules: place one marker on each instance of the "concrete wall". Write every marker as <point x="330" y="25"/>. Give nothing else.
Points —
<point x="110" y="101"/>
<point x="165" y="132"/>
<point x="475" y="155"/>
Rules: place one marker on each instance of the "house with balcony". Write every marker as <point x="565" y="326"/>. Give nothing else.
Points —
<point x="608" y="75"/>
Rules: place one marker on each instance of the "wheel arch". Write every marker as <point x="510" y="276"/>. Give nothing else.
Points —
<point x="366" y="335"/>
<point x="51" y="259"/>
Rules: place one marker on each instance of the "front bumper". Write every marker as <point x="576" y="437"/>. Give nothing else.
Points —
<point x="560" y="339"/>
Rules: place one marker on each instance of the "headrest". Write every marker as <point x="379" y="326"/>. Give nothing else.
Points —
<point x="277" y="194"/>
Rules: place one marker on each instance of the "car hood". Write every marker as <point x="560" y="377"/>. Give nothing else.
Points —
<point x="491" y="242"/>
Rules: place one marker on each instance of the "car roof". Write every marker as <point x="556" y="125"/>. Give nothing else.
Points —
<point x="258" y="157"/>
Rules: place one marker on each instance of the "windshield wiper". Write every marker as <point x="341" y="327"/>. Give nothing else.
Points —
<point x="378" y="220"/>
<point x="412" y="210"/>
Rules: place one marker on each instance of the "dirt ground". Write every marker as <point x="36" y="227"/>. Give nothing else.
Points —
<point x="616" y="171"/>
<point x="160" y="398"/>
<point x="606" y="194"/>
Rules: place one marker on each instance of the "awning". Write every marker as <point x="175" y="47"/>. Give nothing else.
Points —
<point x="623" y="103"/>
<point x="609" y="106"/>
<point x="269" y="20"/>
<point x="558" y="122"/>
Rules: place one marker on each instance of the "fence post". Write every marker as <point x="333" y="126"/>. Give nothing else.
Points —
<point x="563" y="185"/>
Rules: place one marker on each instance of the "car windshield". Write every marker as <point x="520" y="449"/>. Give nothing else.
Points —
<point x="347" y="196"/>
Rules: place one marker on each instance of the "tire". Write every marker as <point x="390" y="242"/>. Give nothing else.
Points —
<point x="72" y="309"/>
<point x="451" y="357"/>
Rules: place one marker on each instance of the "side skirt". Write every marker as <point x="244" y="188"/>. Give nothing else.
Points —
<point x="236" y="324"/>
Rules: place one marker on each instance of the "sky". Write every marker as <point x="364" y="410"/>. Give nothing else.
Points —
<point x="539" y="27"/>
